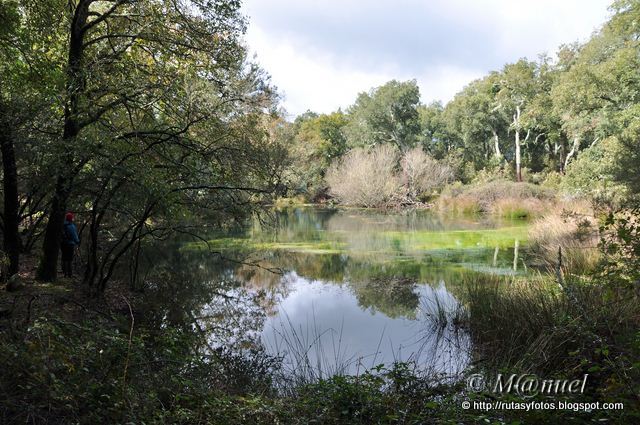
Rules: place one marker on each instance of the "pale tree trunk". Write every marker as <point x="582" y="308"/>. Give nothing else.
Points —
<point x="496" y="144"/>
<point x="516" y="124"/>
<point x="557" y="155"/>
<point x="572" y="152"/>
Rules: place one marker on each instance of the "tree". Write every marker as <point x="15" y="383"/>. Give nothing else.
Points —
<point x="517" y="86"/>
<point x="27" y="90"/>
<point x="547" y="142"/>
<point x="387" y="114"/>
<point x="475" y="119"/>
<point x="125" y="60"/>
<point x="434" y="136"/>
<point x="9" y="20"/>
<point x="315" y="142"/>
<point x="597" y="96"/>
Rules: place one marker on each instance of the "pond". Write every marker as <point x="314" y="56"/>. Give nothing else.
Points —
<point x="341" y="290"/>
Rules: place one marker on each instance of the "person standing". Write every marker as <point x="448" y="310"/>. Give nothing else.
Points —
<point x="69" y="242"/>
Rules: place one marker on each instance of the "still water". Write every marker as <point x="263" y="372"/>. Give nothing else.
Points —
<point x="341" y="290"/>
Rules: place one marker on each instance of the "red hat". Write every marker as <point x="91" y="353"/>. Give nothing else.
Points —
<point x="69" y="216"/>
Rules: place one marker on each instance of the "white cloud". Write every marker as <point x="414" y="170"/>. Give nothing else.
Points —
<point x="309" y="81"/>
<point x="322" y="54"/>
<point x="442" y="83"/>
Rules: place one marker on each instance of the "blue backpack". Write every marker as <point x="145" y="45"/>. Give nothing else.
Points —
<point x="67" y="237"/>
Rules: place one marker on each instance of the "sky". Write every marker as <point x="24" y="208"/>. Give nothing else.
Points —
<point x="321" y="54"/>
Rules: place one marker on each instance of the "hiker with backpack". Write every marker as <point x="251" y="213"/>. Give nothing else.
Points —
<point x="69" y="242"/>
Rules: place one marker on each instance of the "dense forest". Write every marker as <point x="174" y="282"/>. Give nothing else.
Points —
<point x="568" y="122"/>
<point x="150" y="122"/>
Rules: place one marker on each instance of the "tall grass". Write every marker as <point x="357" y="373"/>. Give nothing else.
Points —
<point x="310" y="354"/>
<point x="510" y="320"/>
<point x="536" y="326"/>
<point x="565" y="240"/>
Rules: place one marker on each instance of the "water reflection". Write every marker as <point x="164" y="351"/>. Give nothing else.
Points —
<point x="325" y="329"/>
<point x="358" y="288"/>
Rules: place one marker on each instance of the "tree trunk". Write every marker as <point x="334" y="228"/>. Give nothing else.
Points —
<point x="496" y="144"/>
<point x="516" y="123"/>
<point x="11" y="241"/>
<point x="92" y="256"/>
<point x="74" y="87"/>
<point x="572" y="152"/>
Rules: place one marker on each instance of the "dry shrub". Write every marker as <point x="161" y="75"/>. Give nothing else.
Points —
<point x="458" y="204"/>
<point x="365" y="178"/>
<point x="423" y="174"/>
<point x="500" y="197"/>
<point x="492" y="191"/>
<point x="575" y="234"/>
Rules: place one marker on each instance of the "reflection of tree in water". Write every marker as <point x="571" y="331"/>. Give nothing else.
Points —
<point x="268" y="286"/>
<point x="326" y="267"/>
<point x="294" y="224"/>
<point x="384" y="288"/>
<point x="231" y="299"/>
<point x="395" y="297"/>
<point x="196" y="291"/>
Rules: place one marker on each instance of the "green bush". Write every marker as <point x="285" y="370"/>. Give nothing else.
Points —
<point x="592" y="173"/>
<point x="90" y="373"/>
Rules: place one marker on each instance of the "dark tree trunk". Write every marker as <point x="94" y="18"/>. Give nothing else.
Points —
<point x="75" y="86"/>
<point x="11" y="241"/>
<point x="92" y="258"/>
<point x="48" y="270"/>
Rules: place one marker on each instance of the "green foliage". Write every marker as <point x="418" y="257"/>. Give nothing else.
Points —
<point x="592" y="174"/>
<point x="387" y="114"/>
<point x="314" y="142"/>
<point x="433" y="136"/>
<point x="92" y="373"/>
<point x="536" y="118"/>
<point x="628" y="154"/>
<point x="621" y="248"/>
<point x="142" y="128"/>
<point x="474" y="121"/>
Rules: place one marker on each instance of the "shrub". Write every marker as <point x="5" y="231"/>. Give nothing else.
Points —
<point x="91" y="372"/>
<point x="422" y="174"/>
<point x="552" y="180"/>
<point x="463" y="170"/>
<point x="620" y="244"/>
<point x="592" y="174"/>
<point x="497" y="169"/>
<point x="500" y="197"/>
<point x="365" y="178"/>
